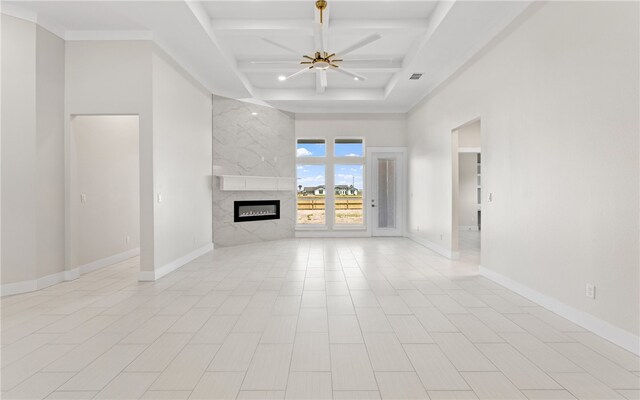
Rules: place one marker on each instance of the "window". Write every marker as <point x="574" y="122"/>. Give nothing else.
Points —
<point x="311" y="194"/>
<point x="348" y="189"/>
<point x="311" y="148"/>
<point x="330" y="181"/>
<point x="349" y="148"/>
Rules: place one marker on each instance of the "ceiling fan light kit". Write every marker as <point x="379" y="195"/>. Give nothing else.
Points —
<point x="322" y="60"/>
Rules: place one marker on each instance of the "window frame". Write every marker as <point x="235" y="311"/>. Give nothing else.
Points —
<point x="362" y="226"/>
<point x="329" y="160"/>
<point x="326" y="148"/>
<point x="361" y="139"/>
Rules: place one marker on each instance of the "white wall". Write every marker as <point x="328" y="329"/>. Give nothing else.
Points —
<point x="114" y="78"/>
<point x="135" y="77"/>
<point x="558" y="99"/>
<point x="467" y="195"/>
<point x="18" y="149"/>
<point x="182" y="135"/>
<point x="469" y="135"/>
<point x="378" y="129"/>
<point x="104" y="168"/>
<point x="32" y="155"/>
<point x="50" y="256"/>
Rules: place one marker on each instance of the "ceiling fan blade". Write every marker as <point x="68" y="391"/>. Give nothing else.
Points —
<point x="321" y="81"/>
<point x="302" y="71"/>
<point x="283" y="47"/>
<point x="369" y="39"/>
<point x="320" y="38"/>
<point x="276" y="62"/>
<point x="350" y="73"/>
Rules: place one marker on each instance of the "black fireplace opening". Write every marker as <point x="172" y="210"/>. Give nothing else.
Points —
<point x="256" y="210"/>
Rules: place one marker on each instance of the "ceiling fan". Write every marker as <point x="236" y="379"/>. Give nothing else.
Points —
<point x="322" y="60"/>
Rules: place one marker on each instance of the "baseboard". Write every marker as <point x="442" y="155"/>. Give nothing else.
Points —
<point x="101" y="263"/>
<point x="68" y="275"/>
<point x="453" y="255"/>
<point x="468" y="228"/>
<point x="594" y="324"/>
<point x="9" y="289"/>
<point x="173" y="265"/>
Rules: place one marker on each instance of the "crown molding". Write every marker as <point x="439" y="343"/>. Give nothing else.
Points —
<point x="32" y="16"/>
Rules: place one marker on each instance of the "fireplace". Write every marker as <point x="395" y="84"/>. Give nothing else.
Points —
<point x="256" y="210"/>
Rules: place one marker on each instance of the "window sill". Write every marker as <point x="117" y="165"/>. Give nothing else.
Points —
<point x="349" y="228"/>
<point x="311" y="228"/>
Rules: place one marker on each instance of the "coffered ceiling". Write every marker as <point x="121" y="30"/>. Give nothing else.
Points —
<point x="239" y="48"/>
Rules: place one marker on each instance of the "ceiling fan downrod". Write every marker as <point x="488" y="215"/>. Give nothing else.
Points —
<point x="321" y="5"/>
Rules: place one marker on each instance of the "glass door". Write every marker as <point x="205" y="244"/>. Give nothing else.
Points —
<point x="386" y="200"/>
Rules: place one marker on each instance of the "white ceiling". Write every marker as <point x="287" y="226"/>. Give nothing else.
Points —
<point x="217" y="40"/>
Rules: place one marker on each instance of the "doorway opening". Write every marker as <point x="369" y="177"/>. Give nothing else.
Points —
<point x="104" y="191"/>
<point x="467" y="191"/>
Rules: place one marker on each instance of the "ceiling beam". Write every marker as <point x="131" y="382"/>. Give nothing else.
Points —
<point x="252" y="27"/>
<point x="329" y="94"/>
<point x="203" y="18"/>
<point x="307" y="1"/>
<point x="435" y="20"/>
<point x="381" y="25"/>
<point x="377" y="66"/>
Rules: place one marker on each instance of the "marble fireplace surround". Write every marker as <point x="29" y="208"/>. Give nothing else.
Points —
<point x="251" y="140"/>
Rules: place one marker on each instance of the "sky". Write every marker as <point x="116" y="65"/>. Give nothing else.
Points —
<point x="314" y="175"/>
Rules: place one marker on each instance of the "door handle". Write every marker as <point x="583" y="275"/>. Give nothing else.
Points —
<point x="373" y="205"/>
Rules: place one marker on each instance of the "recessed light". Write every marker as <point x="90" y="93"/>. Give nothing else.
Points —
<point x="254" y="113"/>
<point x="282" y="78"/>
<point x="355" y="78"/>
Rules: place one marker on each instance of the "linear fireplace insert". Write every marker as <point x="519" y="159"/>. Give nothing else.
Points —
<point x="256" y="210"/>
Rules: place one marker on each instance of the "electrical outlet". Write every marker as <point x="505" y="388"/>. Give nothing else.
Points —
<point x="591" y="291"/>
<point x="441" y="236"/>
<point x="83" y="198"/>
<point x="159" y="198"/>
<point x="127" y="239"/>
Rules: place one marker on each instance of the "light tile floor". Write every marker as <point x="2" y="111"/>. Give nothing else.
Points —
<point x="303" y="319"/>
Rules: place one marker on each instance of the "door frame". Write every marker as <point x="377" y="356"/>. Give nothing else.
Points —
<point x="402" y="187"/>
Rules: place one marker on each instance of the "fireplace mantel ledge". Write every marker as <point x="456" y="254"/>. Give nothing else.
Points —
<point x="256" y="183"/>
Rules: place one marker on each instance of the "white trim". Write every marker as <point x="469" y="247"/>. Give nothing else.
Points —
<point x="67" y="275"/>
<point x="347" y="227"/>
<point x="72" y="274"/>
<point x="256" y="183"/>
<point x="468" y="228"/>
<point x="19" y="12"/>
<point x="469" y="150"/>
<point x="101" y="263"/>
<point x="452" y="255"/>
<point x="173" y="265"/>
<point x="310" y="227"/>
<point x="340" y="233"/>
<point x="600" y="327"/>
<point x="32" y="285"/>
<point x="32" y="16"/>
